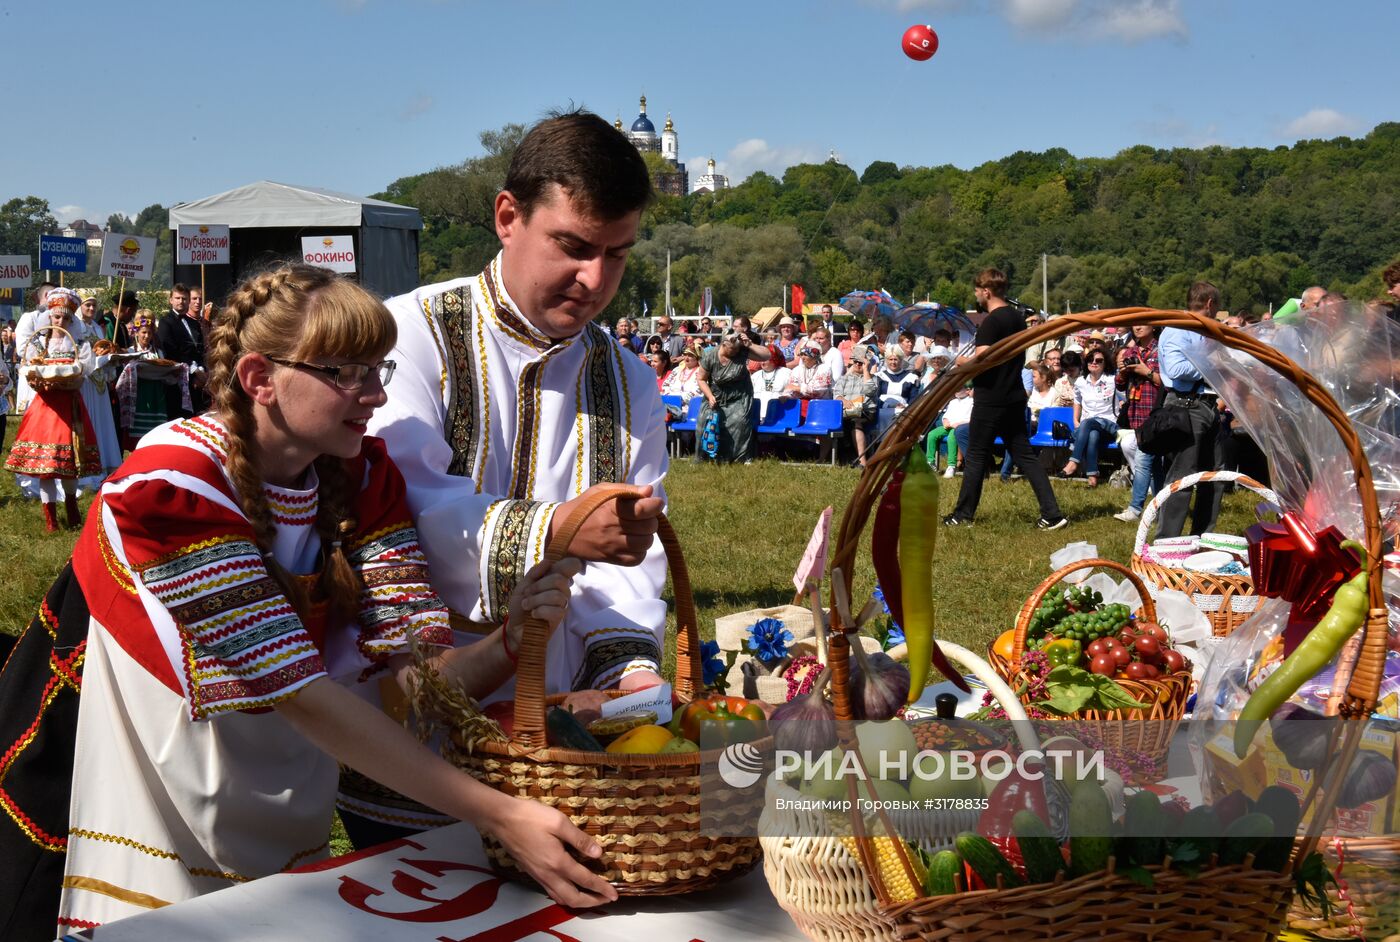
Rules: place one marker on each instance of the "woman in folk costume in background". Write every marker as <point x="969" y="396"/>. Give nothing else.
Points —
<point x="141" y="398"/>
<point x="95" y="397"/>
<point x="55" y="441"/>
<point x="250" y="580"/>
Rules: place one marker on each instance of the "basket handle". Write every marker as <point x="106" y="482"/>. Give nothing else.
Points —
<point x="50" y="327"/>
<point x="530" y="689"/>
<point x="1023" y="618"/>
<point x="1154" y="506"/>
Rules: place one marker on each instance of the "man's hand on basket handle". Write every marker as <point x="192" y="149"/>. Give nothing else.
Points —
<point x="619" y="532"/>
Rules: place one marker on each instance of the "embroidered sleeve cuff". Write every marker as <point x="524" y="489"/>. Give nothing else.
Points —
<point x="243" y="645"/>
<point x="398" y="597"/>
<point x="612" y="653"/>
<point x="512" y="541"/>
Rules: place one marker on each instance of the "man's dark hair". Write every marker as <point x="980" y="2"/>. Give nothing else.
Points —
<point x="1391" y="275"/>
<point x="994" y="280"/>
<point x="178" y="286"/>
<point x="594" y="162"/>
<point x="1201" y="295"/>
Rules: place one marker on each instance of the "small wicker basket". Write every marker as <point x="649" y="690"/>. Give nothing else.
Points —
<point x="1225" y="600"/>
<point x="643" y="809"/>
<point x="1366" y="900"/>
<point x="1146" y="731"/>
<point x="1236" y="902"/>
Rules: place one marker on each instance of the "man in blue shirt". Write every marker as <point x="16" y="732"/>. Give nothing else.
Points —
<point x="1186" y="389"/>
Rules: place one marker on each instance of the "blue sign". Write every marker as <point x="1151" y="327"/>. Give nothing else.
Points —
<point x="60" y="253"/>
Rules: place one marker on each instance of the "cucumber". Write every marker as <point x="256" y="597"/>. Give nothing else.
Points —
<point x="1282" y="807"/>
<point x="563" y="731"/>
<point x="943" y="872"/>
<point x="1090" y="829"/>
<point x="1039" y="849"/>
<point x="985" y="860"/>
<point x="1144" y="827"/>
<point x="1200" y="830"/>
<point x="1244" y="837"/>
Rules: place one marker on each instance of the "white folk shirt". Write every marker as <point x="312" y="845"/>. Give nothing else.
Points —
<point x="1097" y="399"/>
<point x="493" y="425"/>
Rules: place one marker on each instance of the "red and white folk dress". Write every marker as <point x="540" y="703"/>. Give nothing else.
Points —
<point x="185" y="781"/>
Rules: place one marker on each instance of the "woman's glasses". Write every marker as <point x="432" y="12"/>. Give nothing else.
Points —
<point x="348" y="376"/>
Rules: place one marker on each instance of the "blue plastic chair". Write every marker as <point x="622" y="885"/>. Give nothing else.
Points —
<point x="783" y="416"/>
<point x="1044" y="436"/>
<point x="823" y="421"/>
<point x="692" y="417"/>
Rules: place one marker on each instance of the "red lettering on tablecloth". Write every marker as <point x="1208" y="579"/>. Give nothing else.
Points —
<point x="472" y="901"/>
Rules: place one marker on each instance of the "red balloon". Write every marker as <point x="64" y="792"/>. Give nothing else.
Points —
<point x="920" y="42"/>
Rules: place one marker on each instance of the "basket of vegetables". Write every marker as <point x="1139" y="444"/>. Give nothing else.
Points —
<point x="1157" y="872"/>
<point x="632" y="784"/>
<point x="1106" y="668"/>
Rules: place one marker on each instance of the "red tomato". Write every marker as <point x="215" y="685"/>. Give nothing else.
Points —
<point x="1099" y="646"/>
<point x="1139" y="671"/>
<point x="1154" y="629"/>
<point x="1122" y="657"/>
<point x="1103" y="664"/>
<point x="1173" y="661"/>
<point x="1148" y="648"/>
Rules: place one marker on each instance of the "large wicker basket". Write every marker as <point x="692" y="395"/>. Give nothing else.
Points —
<point x="643" y="809"/>
<point x="1366" y="900"/>
<point x="44" y="372"/>
<point x="1225" y="600"/>
<point x="1236" y="902"/>
<point x="1146" y="731"/>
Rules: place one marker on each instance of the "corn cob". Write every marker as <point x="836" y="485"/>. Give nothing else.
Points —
<point x="893" y="876"/>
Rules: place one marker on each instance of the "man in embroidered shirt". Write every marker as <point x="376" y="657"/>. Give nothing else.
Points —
<point x="510" y="403"/>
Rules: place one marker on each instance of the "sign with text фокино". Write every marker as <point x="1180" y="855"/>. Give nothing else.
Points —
<point x="61" y="253"/>
<point x="16" y="271"/>
<point x="128" y="256"/>
<point x="334" y="252"/>
<point x="201" y="245"/>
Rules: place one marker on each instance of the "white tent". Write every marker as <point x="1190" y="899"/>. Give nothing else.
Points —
<point x="268" y="220"/>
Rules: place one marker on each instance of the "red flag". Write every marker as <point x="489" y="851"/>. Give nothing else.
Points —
<point x="799" y="298"/>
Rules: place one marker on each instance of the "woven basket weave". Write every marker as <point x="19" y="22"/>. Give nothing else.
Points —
<point x="1225" y="600"/>
<point x="1236" y="903"/>
<point x="643" y="809"/>
<point x="1146" y="731"/>
<point x="44" y="372"/>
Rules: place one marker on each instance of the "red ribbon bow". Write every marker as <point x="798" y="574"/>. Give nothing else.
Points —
<point x="1289" y="561"/>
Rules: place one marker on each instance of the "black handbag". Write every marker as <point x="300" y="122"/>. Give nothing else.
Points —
<point x="1166" y="431"/>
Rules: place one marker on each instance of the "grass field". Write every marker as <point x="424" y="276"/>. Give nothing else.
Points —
<point x="743" y="529"/>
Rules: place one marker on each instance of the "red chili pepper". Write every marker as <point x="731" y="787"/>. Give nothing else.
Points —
<point x="884" y="548"/>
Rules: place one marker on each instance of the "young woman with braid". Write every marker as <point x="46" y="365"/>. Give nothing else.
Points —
<point x="247" y="584"/>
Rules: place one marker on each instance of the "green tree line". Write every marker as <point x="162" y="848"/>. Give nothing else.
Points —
<point x="1135" y="228"/>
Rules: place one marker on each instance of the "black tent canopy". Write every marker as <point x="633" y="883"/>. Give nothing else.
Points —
<point x="267" y="221"/>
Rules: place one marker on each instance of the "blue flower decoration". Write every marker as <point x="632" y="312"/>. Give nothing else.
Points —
<point x="879" y="594"/>
<point x="894" y="636"/>
<point x="711" y="662"/>
<point x="768" y="639"/>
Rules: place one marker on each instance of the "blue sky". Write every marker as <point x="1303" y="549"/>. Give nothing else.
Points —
<point x="352" y="94"/>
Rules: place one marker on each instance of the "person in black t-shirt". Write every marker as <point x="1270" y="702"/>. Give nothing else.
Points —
<point x="999" y="408"/>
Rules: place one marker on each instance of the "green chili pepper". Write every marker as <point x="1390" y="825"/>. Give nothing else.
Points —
<point x="884" y="548"/>
<point x="918" y="520"/>
<point x="1349" y="608"/>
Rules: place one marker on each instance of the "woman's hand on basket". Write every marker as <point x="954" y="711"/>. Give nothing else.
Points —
<point x="542" y="594"/>
<point x="541" y="840"/>
<point x="619" y="532"/>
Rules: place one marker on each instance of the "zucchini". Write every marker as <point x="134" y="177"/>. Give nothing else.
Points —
<point x="1144" y="827"/>
<point x="563" y="731"/>
<point x="943" y="872"/>
<point x="1282" y="807"/>
<point x="1244" y="837"/>
<point x="1039" y="849"/>
<point x="986" y="861"/>
<point x="1090" y="829"/>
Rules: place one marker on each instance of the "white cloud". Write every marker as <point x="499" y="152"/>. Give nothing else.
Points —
<point x="417" y="105"/>
<point x="66" y="214"/>
<point x="1321" y="122"/>
<point x="754" y="154"/>
<point x="1129" y="21"/>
